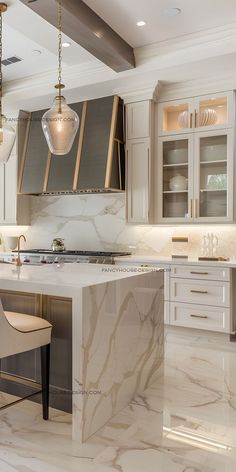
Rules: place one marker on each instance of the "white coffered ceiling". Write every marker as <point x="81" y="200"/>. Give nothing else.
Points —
<point x="199" y="43"/>
<point x="24" y="34"/>
<point x="197" y="15"/>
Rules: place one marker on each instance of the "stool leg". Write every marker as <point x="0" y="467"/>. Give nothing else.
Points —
<point x="45" y="370"/>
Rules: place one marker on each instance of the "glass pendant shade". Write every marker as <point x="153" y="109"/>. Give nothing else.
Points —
<point x="60" y="125"/>
<point x="7" y="140"/>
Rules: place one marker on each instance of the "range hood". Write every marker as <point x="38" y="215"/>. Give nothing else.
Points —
<point x="96" y="162"/>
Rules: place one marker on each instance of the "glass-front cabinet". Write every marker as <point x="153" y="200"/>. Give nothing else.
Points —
<point x="195" y="173"/>
<point x="208" y="112"/>
<point x="213" y="176"/>
<point x="175" y="193"/>
<point x="213" y="111"/>
<point x="175" y="117"/>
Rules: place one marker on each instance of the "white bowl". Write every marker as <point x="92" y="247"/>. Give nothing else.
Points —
<point x="178" y="183"/>
<point x="176" y="156"/>
<point x="216" y="152"/>
<point x="11" y="242"/>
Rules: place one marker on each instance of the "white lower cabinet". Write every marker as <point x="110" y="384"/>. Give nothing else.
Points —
<point x="200" y="317"/>
<point x="200" y="297"/>
<point x="202" y="273"/>
<point x="201" y="292"/>
<point x="196" y="296"/>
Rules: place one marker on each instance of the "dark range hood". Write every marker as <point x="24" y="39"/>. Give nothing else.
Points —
<point x="96" y="162"/>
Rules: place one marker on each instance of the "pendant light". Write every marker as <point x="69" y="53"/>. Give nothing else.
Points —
<point x="60" y="124"/>
<point x="7" y="132"/>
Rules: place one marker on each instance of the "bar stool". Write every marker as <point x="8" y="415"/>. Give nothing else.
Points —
<point x="21" y="333"/>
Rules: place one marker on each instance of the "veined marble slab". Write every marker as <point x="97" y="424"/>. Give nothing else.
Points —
<point x="118" y="332"/>
<point x="123" y="345"/>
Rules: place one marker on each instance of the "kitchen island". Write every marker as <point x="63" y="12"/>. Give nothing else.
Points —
<point x="117" y="331"/>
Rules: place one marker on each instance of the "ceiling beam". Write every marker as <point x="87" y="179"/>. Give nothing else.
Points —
<point x="87" y="29"/>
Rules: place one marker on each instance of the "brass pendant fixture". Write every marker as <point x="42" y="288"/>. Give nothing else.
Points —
<point x="60" y="124"/>
<point x="7" y="132"/>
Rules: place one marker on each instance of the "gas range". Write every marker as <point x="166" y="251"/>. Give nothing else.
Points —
<point x="47" y="256"/>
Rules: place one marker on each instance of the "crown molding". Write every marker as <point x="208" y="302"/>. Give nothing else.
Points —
<point x="191" y="88"/>
<point x="73" y="76"/>
<point x="138" y="93"/>
<point x="143" y="82"/>
<point x="214" y="41"/>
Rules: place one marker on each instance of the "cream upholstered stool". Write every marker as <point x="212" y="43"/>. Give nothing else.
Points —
<point x="20" y="333"/>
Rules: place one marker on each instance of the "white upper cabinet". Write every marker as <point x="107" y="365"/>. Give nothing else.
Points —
<point x="214" y="111"/>
<point x="206" y="112"/>
<point x="195" y="160"/>
<point x="139" y="162"/>
<point x="191" y="179"/>
<point x="138" y="181"/>
<point x="138" y="120"/>
<point x="195" y="177"/>
<point x="213" y="182"/>
<point x="174" y="189"/>
<point x="175" y="117"/>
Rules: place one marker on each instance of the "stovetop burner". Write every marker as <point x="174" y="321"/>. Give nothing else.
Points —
<point x="76" y="253"/>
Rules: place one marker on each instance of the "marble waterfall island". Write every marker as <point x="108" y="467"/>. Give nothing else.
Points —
<point x="117" y="331"/>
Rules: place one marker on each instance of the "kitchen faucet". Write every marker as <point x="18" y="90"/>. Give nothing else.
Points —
<point x="18" y="259"/>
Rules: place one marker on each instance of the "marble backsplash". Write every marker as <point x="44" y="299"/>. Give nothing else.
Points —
<point x="97" y="222"/>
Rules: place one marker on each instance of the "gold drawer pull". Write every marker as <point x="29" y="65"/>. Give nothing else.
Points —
<point x="199" y="291"/>
<point x="199" y="273"/>
<point x="199" y="316"/>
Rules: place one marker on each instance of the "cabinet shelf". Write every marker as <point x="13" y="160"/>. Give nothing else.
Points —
<point x="181" y="164"/>
<point x="175" y="191"/>
<point x="209" y="163"/>
<point x="213" y="190"/>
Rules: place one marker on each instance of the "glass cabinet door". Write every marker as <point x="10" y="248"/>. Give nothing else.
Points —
<point x="175" y="117"/>
<point x="214" y="157"/>
<point x="213" y="111"/>
<point x="175" y="179"/>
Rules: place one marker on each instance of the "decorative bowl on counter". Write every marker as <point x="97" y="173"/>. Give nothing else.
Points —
<point x="178" y="183"/>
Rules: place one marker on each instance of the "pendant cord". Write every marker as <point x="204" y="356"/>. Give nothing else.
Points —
<point x="0" y="70"/>
<point x="60" y="51"/>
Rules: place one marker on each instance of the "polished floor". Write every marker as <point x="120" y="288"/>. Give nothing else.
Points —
<point x="187" y="423"/>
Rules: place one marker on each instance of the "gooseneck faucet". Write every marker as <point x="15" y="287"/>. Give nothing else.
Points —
<point x="18" y="259"/>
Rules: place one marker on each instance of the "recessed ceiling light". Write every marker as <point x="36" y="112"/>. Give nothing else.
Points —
<point x="66" y="44"/>
<point x="37" y="52"/>
<point x="170" y="12"/>
<point x="141" y="23"/>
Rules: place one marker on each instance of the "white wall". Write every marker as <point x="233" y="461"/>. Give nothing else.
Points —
<point x="97" y="222"/>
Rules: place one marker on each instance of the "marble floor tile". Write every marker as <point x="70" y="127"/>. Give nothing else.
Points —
<point x="186" y="423"/>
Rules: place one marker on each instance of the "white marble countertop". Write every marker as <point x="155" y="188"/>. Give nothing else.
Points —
<point x="147" y="259"/>
<point x="58" y="280"/>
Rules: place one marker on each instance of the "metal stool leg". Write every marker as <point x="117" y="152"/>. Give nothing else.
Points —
<point x="45" y="370"/>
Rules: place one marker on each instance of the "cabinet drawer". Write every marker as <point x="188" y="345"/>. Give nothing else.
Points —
<point x="200" y="317"/>
<point x="200" y="272"/>
<point x="202" y="292"/>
